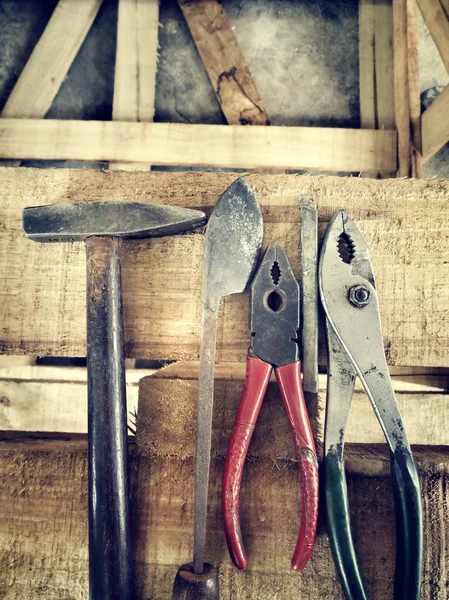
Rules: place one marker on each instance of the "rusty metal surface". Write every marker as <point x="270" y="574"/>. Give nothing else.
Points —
<point x="275" y="310"/>
<point x="233" y="239"/>
<point x="76" y="222"/>
<point x="309" y="295"/>
<point x="110" y="554"/>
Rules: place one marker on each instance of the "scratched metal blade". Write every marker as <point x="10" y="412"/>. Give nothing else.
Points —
<point x="233" y="239"/>
<point x="309" y="261"/>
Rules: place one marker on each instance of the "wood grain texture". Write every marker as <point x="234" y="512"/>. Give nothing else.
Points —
<point x="51" y="59"/>
<point x="376" y="68"/>
<point x="225" y="64"/>
<point x="42" y="298"/>
<point x="401" y="87"/>
<point x="414" y="87"/>
<point x="199" y="145"/>
<point x="54" y="399"/>
<point x="424" y="410"/>
<point x="43" y="525"/>
<point x="135" y="65"/>
<point x="435" y="125"/>
<point x="376" y="64"/>
<point x="37" y="398"/>
<point x="436" y="18"/>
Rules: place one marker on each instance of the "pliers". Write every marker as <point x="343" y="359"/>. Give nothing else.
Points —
<point x="355" y="348"/>
<point x="275" y="324"/>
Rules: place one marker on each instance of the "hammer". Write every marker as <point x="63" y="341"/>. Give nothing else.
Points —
<point x="102" y="226"/>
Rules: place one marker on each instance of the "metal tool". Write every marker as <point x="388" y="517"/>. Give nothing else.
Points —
<point x="233" y="239"/>
<point x="355" y="348"/>
<point x="309" y="297"/>
<point x="275" y="324"/>
<point x="102" y="225"/>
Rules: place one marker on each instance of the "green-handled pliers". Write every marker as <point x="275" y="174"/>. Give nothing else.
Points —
<point x="355" y="348"/>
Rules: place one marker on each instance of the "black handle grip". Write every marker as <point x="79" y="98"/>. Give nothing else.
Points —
<point x="409" y="525"/>
<point x="190" y="586"/>
<point x="339" y="528"/>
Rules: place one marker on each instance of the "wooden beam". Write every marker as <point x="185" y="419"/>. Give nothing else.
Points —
<point x="43" y="522"/>
<point x="199" y="145"/>
<point x="38" y="398"/>
<point x="437" y="21"/>
<point x="224" y="62"/>
<point x="401" y="87"/>
<point x="135" y="65"/>
<point x="435" y="125"/>
<point x="376" y="67"/>
<point x="425" y="415"/>
<point x="51" y="59"/>
<point x="42" y="297"/>
<point x="376" y="64"/>
<point x="414" y="88"/>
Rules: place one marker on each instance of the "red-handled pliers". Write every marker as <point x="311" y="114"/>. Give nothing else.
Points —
<point x="275" y="324"/>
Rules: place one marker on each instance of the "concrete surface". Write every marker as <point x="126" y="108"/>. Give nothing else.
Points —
<point x="303" y="56"/>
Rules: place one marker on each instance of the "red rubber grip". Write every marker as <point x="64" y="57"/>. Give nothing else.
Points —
<point x="289" y="380"/>
<point x="256" y="382"/>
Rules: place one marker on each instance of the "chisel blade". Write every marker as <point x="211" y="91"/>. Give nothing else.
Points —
<point x="309" y="261"/>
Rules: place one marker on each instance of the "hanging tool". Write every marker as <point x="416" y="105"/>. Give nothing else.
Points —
<point x="275" y="324"/>
<point x="102" y="225"/>
<point x="232" y="244"/>
<point x="355" y="348"/>
<point x="309" y="297"/>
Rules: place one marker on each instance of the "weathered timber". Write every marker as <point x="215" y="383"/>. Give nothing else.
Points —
<point x="42" y="297"/>
<point x="232" y="146"/>
<point x="43" y="524"/>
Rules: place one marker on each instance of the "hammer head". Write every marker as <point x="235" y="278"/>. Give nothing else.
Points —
<point x="76" y="222"/>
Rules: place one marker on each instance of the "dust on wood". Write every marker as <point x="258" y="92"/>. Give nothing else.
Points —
<point x="167" y="419"/>
<point x="43" y="524"/>
<point x="42" y="299"/>
<point x="224" y="62"/>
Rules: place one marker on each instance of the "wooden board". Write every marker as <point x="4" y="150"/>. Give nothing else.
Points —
<point x="54" y="399"/>
<point x="435" y="125"/>
<point x="376" y="68"/>
<point x="437" y="21"/>
<point x="401" y="87"/>
<point x="162" y="432"/>
<point x="135" y="65"/>
<point x="42" y="298"/>
<point x="376" y="64"/>
<point x="51" y="59"/>
<point x="37" y="398"/>
<point x="224" y="62"/>
<point x="414" y="87"/>
<point x="43" y="525"/>
<point x="199" y="145"/>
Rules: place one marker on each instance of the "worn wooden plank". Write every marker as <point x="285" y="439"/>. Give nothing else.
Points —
<point x="135" y="65"/>
<point x="224" y="62"/>
<point x="199" y="145"/>
<point x="37" y="398"/>
<point x="424" y="410"/>
<point x="376" y="67"/>
<point x="43" y="524"/>
<point x="42" y="297"/>
<point x="401" y="87"/>
<point x="54" y="399"/>
<point x="51" y="59"/>
<point x="376" y="64"/>
<point x="414" y="88"/>
<point x="435" y="125"/>
<point x="437" y="21"/>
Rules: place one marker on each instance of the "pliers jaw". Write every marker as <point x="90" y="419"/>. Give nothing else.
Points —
<point x="275" y="310"/>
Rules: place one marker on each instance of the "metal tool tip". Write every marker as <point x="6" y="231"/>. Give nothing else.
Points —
<point x="307" y="202"/>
